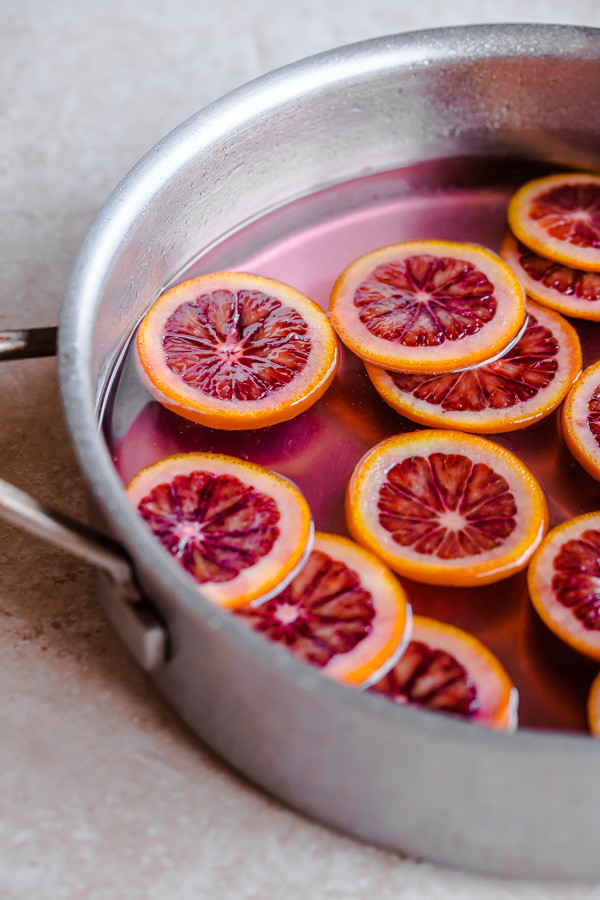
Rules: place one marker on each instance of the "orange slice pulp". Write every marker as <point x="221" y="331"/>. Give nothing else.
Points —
<point x="524" y="384"/>
<point x="572" y="292"/>
<point x="564" y="582"/>
<point x="559" y="217"/>
<point x="581" y="420"/>
<point x="427" y="306"/>
<point x="239" y="530"/>
<point x="344" y="612"/>
<point x="447" y="670"/>
<point x="446" y="507"/>
<point x="236" y="351"/>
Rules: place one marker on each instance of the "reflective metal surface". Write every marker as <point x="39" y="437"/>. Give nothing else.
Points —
<point x="424" y="784"/>
<point x="130" y="613"/>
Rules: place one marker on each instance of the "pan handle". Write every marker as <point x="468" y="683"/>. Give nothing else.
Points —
<point x="138" y="623"/>
<point x="27" y="343"/>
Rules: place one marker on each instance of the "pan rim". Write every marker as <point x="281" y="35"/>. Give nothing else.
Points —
<point x="416" y="48"/>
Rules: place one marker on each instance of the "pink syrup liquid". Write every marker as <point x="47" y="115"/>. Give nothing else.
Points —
<point x="307" y="244"/>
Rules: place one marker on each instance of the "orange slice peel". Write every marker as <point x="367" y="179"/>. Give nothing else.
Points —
<point x="570" y="291"/>
<point x="581" y="420"/>
<point x="445" y="669"/>
<point x="239" y="530"/>
<point x="344" y="612"/>
<point x="524" y="384"/>
<point x="233" y="350"/>
<point x="563" y="579"/>
<point x="558" y="216"/>
<point x="446" y="507"/>
<point x="427" y="306"/>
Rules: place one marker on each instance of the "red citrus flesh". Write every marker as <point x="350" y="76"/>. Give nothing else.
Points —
<point x="239" y="530"/>
<point x="444" y="669"/>
<point x="564" y="582"/>
<point x="581" y="420"/>
<point x="344" y="612"/>
<point x="235" y="351"/>
<point x="559" y="217"/>
<point x="524" y="384"/>
<point x="572" y="292"/>
<point x="427" y="306"/>
<point x="446" y="507"/>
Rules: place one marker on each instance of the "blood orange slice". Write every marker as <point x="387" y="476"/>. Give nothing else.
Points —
<point x="344" y="612"/>
<point x="559" y="217"/>
<point x="447" y="670"/>
<point x="446" y="507"/>
<point x="427" y="306"/>
<point x="581" y="420"/>
<point x="238" y="529"/>
<point x="525" y="383"/>
<point x="564" y="582"/>
<point x="236" y="351"/>
<point x="593" y="707"/>
<point x="573" y="292"/>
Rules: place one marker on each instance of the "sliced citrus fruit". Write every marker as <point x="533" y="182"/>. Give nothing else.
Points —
<point x="559" y="217"/>
<point x="427" y="306"/>
<point x="447" y="670"/>
<point x="573" y="292"/>
<point x="238" y="529"/>
<point x="525" y="383"/>
<point x="581" y="420"/>
<point x="593" y="707"/>
<point x="235" y="351"/>
<point x="564" y="582"/>
<point x="446" y="507"/>
<point x="344" y="612"/>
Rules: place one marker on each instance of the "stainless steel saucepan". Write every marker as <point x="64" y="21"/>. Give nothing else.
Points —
<point x="520" y="804"/>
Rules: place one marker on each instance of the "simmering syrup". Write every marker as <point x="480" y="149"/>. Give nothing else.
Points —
<point x="307" y="243"/>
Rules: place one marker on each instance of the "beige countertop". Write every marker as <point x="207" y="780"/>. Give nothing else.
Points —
<point x="103" y="792"/>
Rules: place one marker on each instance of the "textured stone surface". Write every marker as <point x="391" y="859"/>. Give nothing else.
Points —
<point x="103" y="793"/>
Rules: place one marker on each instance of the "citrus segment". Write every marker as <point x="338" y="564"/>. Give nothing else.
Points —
<point x="573" y="292"/>
<point x="446" y="507"/>
<point x="447" y="670"/>
<point x="559" y="217"/>
<point x="581" y="420"/>
<point x="527" y="382"/>
<point x="564" y="582"/>
<point x="344" y="612"/>
<point x="427" y="306"/>
<point x="238" y="529"/>
<point x="593" y="707"/>
<point x="235" y="351"/>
